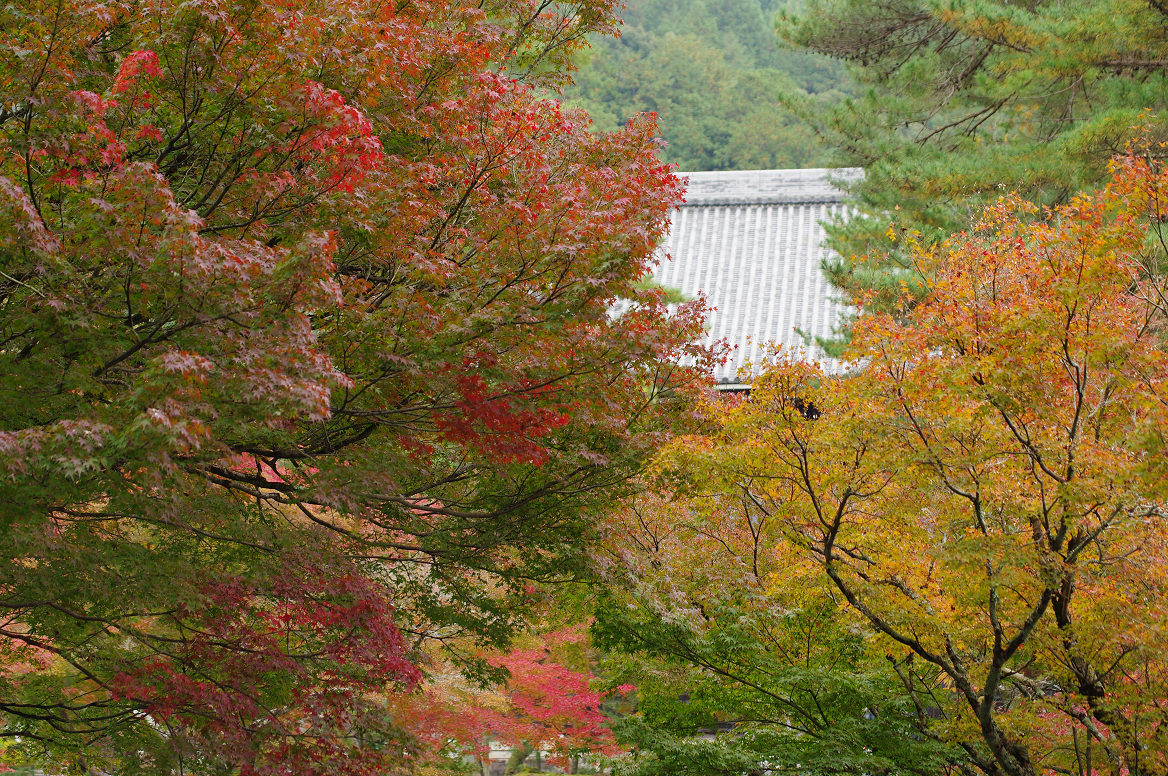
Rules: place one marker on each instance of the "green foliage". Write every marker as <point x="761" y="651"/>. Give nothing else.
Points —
<point x="961" y="102"/>
<point x="729" y="698"/>
<point x="713" y="72"/>
<point x="732" y="672"/>
<point x="669" y="294"/>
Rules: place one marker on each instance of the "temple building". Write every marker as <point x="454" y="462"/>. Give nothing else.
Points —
<point x="752" y="241"/>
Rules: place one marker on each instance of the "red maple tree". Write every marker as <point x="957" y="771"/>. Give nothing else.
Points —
<point x="543" y="702"/>
<point x="307" y="360"/>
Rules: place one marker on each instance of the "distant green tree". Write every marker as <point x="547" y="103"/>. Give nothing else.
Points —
<point x="962" y="101"/>
<point x="715" y="74"/>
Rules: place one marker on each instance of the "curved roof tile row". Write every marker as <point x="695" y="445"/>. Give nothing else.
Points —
<point x="752" y="241"/>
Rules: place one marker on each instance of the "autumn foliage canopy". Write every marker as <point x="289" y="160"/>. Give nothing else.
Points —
<point x="306" y="363"/>
<point x="957" y="563"/>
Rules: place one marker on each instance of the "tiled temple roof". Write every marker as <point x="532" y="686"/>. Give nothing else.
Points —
<point x="752" y="241"/>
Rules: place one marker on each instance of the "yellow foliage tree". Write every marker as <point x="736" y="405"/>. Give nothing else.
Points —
<point x="985" y="488"/>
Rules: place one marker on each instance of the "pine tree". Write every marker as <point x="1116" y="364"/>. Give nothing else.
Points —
<point x="964" y="100"/>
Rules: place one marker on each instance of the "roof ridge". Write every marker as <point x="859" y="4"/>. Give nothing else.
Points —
<point x="756" y="187"/>
<point x="730" y="202"/>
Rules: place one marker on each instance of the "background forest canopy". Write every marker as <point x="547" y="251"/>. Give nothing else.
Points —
<point x="715" y="73"/>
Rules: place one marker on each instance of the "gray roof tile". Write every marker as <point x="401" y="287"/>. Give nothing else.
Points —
<point x="753" y="242"/>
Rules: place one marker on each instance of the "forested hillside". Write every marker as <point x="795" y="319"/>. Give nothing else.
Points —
<point x="713" y="71"/>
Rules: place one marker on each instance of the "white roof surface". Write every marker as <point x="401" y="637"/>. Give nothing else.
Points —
<point x="752" y="241"/>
